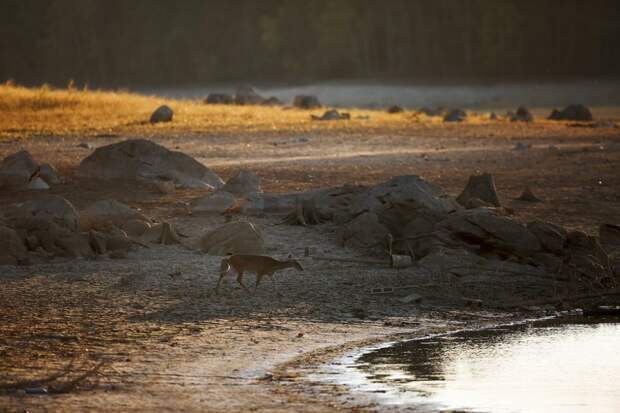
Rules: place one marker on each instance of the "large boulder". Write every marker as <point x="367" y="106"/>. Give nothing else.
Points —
<point x="162" y="114"/>
<point x="17" y="169"/>
<point x="233" y="238"/>
<point x="49" y="174"/>
<point x="12" y="249"/>
<point x="143" y="159"/>
<point x="306" y="102"/>
<point x="575" y="112"/>
<point x="50" y="208"/>
<point x="246" y="95"/>
<point x="244" y="183"/>
<point x="101" y="213"/>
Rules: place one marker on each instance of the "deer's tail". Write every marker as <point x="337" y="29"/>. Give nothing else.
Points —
<point x="225" y="266"/>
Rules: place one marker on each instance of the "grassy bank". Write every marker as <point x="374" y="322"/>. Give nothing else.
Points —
<point x="45" y="111"/>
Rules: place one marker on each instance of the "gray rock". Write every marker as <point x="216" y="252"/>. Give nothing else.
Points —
<point x="101" y="213"/>
<point x="576" y="112"/>
<point x="365" y="231"/>
<point x="552" y="237"/>
<point x="17" y="169"/>
<point x="245" y="182"/>
<point x="12" y="248"/>
<point x="522" y="115"/>
<point x="332" y="114"/>
<point x="306" y="102"/>
<point x="233" y="238"/>
<point x="50" y="208"/>
<point x="220" y="99"/>
<point x="395" y="109"/>
<point x="215" y="203"/>
<point x="37" y="184"/>
<point x="481" y="187"/>
<point x="49" y="174"/>
<point x="246" y="95"/>
<point x="162" y="114"/>
<point x="142" y="159"/>
<point x="455" y="115"/>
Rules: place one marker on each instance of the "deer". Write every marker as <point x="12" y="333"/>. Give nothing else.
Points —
<point x="259" y="264"/>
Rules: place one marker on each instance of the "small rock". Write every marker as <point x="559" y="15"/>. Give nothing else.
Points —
<point x="455" y="115"/>
<point x="165" y="187"/>
<point x="162" y="114"/>
<point x="522" y="146"/>
<point x="411" y="298"/>
<point x="306" y="102"/>
<point x="220" y="99"/>
<point x="36" y="390"/>
<point x="37" y="184"/>
<point x="395" y="109"/>
<point x="246" y="95"/>
<point x="577" y="112"/>
<point x="522" y="115"/>
<point x="332" y="115"/>
<point x="84" y="145"/>
<point x="528" y="196"/>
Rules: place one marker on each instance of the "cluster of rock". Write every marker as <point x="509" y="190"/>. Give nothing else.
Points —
<point x="332" y="114"/>
<point x="247" y="95"/>
<point x="52" y="227"/>
<point x="21" y="171"/>
<point x="576" y="112"/>
<point x="469" y="234"/>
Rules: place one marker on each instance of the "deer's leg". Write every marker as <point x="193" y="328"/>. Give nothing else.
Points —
<point x="259" y="277"/>
<point x="240" y="281"/>
<point x="223" y="272"/>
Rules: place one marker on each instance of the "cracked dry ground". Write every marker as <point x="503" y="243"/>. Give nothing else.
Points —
<point x="124" y="335"/>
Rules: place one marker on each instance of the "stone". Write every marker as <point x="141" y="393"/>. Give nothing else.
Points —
<point x="12" y="248"/>
<point x="552" y="237"/>
<point x="233" y="238"/>
<point x="332" y="114"/>
<point x="481" y="187"/>
<point x="528" y="196"/>
<point x="609" y="236"/>
<point x="101" y="213"/>
<point x="272" y="101"/>
<point x="49" y="208"/>
<point x="306" y="102"/>
<point x="215" y="203"/>
<point x="49" y="174"/>
<point x="455" y="115"/>
<point x="246" y="95"/>
<point x="244" y="183"/>
<point x="522" y="115"/>
<point x="395" y="109"/>
<point x="365" y="231"/>
<point x="141" y="159"/>
<point x="37" y="184"/>
<point x="135" y="227"/>
<point x="576" y="112"/>
<point x="162" y="114"/>
<point x="165" y="187"/>
<point x="220" y="99"/>
<point x="17" y="169"/>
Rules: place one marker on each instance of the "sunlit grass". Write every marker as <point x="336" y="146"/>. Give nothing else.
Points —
<point x="45" y="111"/>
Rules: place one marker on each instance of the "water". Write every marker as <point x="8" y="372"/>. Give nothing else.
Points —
<point x="496" y="96"/>
<point x="546" y="367"/>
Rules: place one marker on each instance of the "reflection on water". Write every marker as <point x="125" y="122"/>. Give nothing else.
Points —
<point x="530" y="368"/>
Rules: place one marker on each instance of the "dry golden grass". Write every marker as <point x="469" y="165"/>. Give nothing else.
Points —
<point x="26" y="112"/>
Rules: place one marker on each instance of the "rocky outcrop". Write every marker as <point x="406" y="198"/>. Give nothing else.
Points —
<point x="141" y="159"/>
<point x="102" y="213"/>
<point x="21" y="171"/>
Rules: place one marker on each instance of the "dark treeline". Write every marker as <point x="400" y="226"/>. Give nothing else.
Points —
<point x="121" y="42"/>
